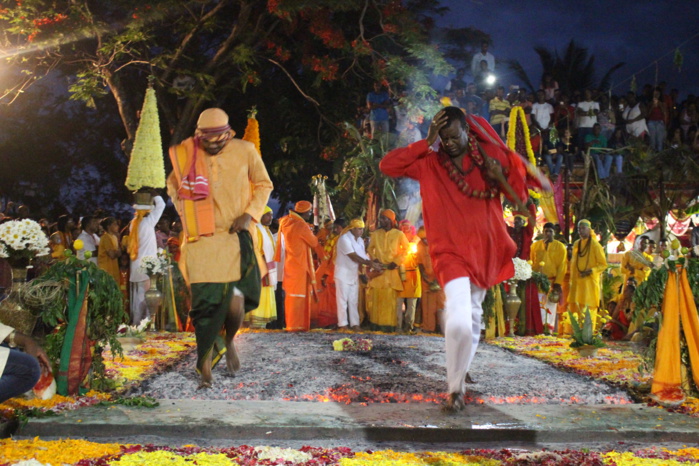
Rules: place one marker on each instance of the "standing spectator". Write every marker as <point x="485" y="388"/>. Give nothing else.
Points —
<point x="108" y="249"/>
<point x="634" y="116"/>
<point x="658" y="118"/>
<point x="586" y="112"/>
<point x="483" y="55"/>
<point x="88" y="236"/>
<point x="484" y="79"/>
<point x="349" y="255"/>
<point x="162" y="232"/>
<point x="410" y="276"/>
<point x="62" y="239"/>
<point x="586" y="266"/>
<point x="542" y="114"/>
<point x="267" y="310"/>
<point x="549" y="86"/>
<point x="455" y="84"/>
<point x="564" y="115"/>
<point x="550" y="257"/>
<point x="432" y="300"/>
<point x="471" y="98"/>
<point x="499" y="111"/>
<point x="299" y="274"/>
<point x="607" y="116"/>
<point x="142" y="243"/>
<point x="378" y="102"/>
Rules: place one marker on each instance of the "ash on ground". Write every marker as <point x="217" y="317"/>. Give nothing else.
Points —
<point x="399" y="368"/>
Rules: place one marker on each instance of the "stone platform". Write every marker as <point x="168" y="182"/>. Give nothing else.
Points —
<point x="417" y="424"/>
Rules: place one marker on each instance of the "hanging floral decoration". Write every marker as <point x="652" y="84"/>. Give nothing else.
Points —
<point x="252" y="130"/>
<point x="147" y="166"/>
<point x="322" y="206"/>
<point x="518" y="138"/>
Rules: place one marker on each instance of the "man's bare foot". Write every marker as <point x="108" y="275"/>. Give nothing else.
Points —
<point x="454" y="403"/>
<point x="468" y="378"/>
<point x="204" y="385"/>
<point x="205" y="372"/>
<point x="232" y="360"/>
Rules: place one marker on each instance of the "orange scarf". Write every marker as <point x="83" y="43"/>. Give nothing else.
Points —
<point x="132" y="247"/>
<point x="197" y="214"/>
<point x="678" y="306"/>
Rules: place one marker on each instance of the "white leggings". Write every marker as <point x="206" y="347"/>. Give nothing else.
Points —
<point x="464" y="310"/>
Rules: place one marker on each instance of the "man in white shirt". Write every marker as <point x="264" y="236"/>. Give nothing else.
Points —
<point x="542" y="112"/>
<point x="586" y="112"/>
<point x="89" y="237"/>
<point x="142" y="243"/>
<point x="350" y="255"/>
<point x="482" y="55"/>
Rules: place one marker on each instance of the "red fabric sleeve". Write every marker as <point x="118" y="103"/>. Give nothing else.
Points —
<point x="403" y="161"/>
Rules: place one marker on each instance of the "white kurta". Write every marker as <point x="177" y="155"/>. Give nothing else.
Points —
<point x="147" y="242"/>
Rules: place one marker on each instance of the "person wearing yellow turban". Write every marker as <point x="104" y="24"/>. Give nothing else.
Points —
<point x="550" y="257"/>
<point x="389" y="246"/>
<point x="349" y="256"/>
<point x="299" y="274"/>
<point x="586" y="266"/>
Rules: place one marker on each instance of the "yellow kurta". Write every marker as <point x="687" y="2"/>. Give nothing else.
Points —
<point x="641" y="272"/>
<point x="108" y="242"/>
<point x="385" y="246"/>
<point x="412" y="286"/>
<point x="267" y="310"/>
<point x="585" y="291"/>
<point x="239" y="183"/>
<point x="554" y="257"/>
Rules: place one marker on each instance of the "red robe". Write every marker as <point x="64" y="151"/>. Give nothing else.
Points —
<point x="467" y="235"/>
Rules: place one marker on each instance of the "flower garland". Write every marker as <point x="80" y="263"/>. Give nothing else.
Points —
<point x="517" y="118"/>
<point x="459" y="178"/>
<point x="523" y="269"/>
<point x="347" y="344"/>
<point x="146" y="166"/>
<point x="36" y="452"/>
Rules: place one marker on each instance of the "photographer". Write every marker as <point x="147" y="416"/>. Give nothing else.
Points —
<point x="19" y="371"/>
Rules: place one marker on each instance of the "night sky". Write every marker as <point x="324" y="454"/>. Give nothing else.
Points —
<point x="636" y="32"/>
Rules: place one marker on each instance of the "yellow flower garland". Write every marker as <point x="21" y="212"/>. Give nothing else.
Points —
<point x="54" y="452"/>
<point x="515" y="114"/>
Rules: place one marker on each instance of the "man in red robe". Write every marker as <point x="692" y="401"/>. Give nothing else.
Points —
<point x="469" y="244"/>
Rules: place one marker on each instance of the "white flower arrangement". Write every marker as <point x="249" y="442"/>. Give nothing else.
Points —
<point x="134" y="331"/>
<point x="155" y="265"/>
<point x="146" y="166"/>
<point x="22" y="240"/>
<point x="276" y="454"/>
<point x="523" y="269"/>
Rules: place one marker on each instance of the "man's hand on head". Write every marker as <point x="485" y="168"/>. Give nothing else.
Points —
<point x="438" y="122"/>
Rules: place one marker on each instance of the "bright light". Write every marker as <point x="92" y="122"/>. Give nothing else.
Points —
<point x="490" y="79"/>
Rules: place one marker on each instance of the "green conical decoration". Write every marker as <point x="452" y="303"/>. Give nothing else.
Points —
<point x="147" y="167"/>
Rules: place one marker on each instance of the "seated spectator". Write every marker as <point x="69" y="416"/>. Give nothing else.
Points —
<point x="689" y="116"/>
<point x="676" y="138"/>
<point x="549" y="86"/>
<point x="563" y="114"/>
<point x="593" y="143"/>
<point x="618" y="142"/>
<point x="19" y="370"/>
<point x="542" y="114"/>
<point x="455" y="84"/>
<point x="499" y="111"/>
<point x="481" y="78"/>
<point x="108" y="249"/>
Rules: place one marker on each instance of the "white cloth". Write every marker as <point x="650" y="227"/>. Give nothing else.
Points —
<point x="405" y="320"/>
<point x="347" y="298"/>
<point x="268" y="244"/>
<point x="139" y="310"/>
<point x="147" y="242"/>
<point x="464" y="310"/>
<point x="587" y="121"/>
<point x="548" y="310"/>
<point x="637" y="128"/>
<point x="542" y="113"/>
<point x="90" y="243"/>
<point x="4" y="352"/>
<point x="280" y="264"/>
<point x="346" y="269"/>
<point x="478" y="58"/>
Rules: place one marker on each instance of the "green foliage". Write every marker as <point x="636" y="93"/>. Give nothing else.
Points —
<point x="610" y="285"/>
<point x="142" y="401"/>
<point x="648" y="296"/>
<point x="542" y="281"/>
<point x="584" y="335"/>
<point x="105" y="312"/>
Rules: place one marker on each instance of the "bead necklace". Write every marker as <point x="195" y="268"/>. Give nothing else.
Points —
<point x="458" y="176"/>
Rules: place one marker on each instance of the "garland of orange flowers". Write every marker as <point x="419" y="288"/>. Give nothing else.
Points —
<point x="252" y="130"/>
<point x="517" y="117"/>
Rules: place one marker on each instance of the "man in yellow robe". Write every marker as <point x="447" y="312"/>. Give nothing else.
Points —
<point x="389" y="246"/>
<point x="412" y="286"/>
<point x="550" y="257"/>
<point x="586" y="266"/>
<point x="637" y="263"/>
<point x="218" y="185"/>
<point x="265" y="250"/>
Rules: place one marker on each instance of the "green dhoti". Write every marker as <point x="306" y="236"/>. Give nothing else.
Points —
<point x="211" y="303"/>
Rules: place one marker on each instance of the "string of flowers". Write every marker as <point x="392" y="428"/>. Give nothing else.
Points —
<point x="518" y="118"/>
<point x="347" y="344"/>
<point x="252" y="130"/>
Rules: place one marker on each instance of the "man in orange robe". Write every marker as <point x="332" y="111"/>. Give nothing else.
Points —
<point x="324" y="311"/>
<point x="432" y="300"/>
<point x="299" y="273"/>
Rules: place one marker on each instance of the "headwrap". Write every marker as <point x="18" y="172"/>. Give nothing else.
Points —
<point x="422" y="233"/>
<point x="213" y="121"/>
<point x="267" y="210"/>
<point x="523" y="217"/>
<point x="585" y="222"/>
<point x="389" y="214"/>
<point x="327" y="222"/>
<point x="302" y="207"/>
<point x="549" y="225"/>
<point x="356" y="223"/>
